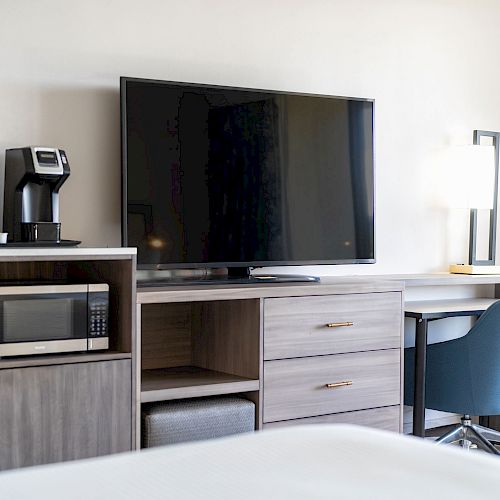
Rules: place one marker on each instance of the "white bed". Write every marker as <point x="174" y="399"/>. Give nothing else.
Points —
<point x="321" y="461"/>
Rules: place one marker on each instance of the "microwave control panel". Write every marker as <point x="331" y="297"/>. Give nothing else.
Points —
<point x="98" y="314"/>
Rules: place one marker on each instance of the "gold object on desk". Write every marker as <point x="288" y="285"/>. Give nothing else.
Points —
<point x="471" y="269"/>
<point x="336" y="325"/>
<point x="335" y="385"/>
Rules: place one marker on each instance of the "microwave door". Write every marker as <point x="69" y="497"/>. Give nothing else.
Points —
<point x="38" y="323"/>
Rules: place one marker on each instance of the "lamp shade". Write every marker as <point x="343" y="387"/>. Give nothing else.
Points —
<point x="473" y="171"/>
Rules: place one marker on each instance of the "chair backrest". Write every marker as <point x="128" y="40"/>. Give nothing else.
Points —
<point x="483" y="348"/>
<point x="463" y="375"/>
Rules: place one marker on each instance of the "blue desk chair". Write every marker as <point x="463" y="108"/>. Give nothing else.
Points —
<point x="463" y="376"/>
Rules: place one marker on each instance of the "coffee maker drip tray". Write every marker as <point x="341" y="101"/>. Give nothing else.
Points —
<point x="42" y="234"/>
<point x="41" y="231"/>
<point x="40" y="244"/>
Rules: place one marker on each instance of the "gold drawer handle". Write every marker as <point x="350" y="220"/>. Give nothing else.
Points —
<point x="338" y="384"/>
<point x="336" y="325"/>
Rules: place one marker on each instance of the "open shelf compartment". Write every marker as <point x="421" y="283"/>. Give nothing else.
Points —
<point x="195" y="349"/>
<point x="190" y="382"/>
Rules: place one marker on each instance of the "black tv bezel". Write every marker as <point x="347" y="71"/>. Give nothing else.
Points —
<point x="241" y="264"/>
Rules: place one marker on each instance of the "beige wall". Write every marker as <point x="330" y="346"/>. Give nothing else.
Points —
<point x="430" y="65"/>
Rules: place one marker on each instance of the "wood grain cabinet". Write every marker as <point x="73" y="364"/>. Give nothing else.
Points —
<point x="318" y="385"/>
<point x="278" y="345"/>
<point x="303" y="353"/>
<point x="64" y="412"/>
<point x="330" y="355"/>
<point x="333" y="324"/>
<point x="66" y="406"/>
<point x="386" y="418"/>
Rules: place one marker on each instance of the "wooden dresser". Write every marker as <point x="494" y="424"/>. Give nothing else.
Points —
<point x="334" y="358"/>
<point x="58" y="407"/>
<point x="328" y="352"/>
<point x="304" y="353"/>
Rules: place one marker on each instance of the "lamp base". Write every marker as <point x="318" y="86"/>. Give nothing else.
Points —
<point x="470" y="269"/>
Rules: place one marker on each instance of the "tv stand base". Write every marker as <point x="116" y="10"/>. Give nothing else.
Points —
<point x="284" y="278"/>
<point x="233" y="276"/>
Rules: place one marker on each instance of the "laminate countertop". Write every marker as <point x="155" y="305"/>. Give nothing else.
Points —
<point x="327" y="286"/>
<point x="13" y="254"/>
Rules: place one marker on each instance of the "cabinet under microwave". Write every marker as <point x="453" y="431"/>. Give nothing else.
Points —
<point x="43" y="319"/>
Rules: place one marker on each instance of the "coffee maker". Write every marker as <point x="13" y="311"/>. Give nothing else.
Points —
<point x="33" y="177"/>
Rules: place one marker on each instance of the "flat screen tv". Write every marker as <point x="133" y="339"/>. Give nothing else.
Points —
<point x="224" y="177"/>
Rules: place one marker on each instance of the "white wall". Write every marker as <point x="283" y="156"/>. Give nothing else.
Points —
<point x="430" y="65"/>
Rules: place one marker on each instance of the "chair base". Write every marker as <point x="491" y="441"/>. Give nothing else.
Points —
<point x="471" y="434"/>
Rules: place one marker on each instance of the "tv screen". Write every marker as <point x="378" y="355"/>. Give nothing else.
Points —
<point x="224" y="177"/>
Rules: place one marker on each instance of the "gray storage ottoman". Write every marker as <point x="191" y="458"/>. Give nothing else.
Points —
<point x="195" y="419"/>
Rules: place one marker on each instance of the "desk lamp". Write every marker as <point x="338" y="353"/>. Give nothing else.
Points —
<point x="481" y="193"/>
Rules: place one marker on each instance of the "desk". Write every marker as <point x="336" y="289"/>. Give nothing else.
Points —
<point x="431" y="310"/>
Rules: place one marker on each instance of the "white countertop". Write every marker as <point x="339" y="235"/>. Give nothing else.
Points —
<point x="227" y="291"/>
<point x="426" y="279"/>
<point x="78" y="253"/>
<point x="448" y="305"/>
<point x="328" y="285"/>
<point x="66" y="253"/>
<point x="443" y="278"/>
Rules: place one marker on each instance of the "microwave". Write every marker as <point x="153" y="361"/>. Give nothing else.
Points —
<point x="53" y="318"/>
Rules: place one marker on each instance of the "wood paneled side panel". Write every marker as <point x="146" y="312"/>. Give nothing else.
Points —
<point x="296" y="388"/>
<point x="120" y="275"/>
<point x="386" y="418"/>
<point x="256" y="398"/>
<point x="226" y="336"/>
<point x="64" y="412"/>
<point x="136" y="381"/>
<point x="166" y="335"/>
<point x="297" y="326"/>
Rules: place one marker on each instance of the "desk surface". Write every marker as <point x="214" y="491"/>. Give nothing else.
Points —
<point x="433" y="279"/>
<point x="425" y="309"/>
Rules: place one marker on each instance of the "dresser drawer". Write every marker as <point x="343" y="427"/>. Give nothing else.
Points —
<point x="308" y="326"/>
<point x="387" y="418"/>
<point x="296" y="388"/>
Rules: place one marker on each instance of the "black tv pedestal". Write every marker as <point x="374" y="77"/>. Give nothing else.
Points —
<point x="233" y="276"/>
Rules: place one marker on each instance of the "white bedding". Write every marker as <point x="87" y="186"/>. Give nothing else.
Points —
<point x="310" y="462"/>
